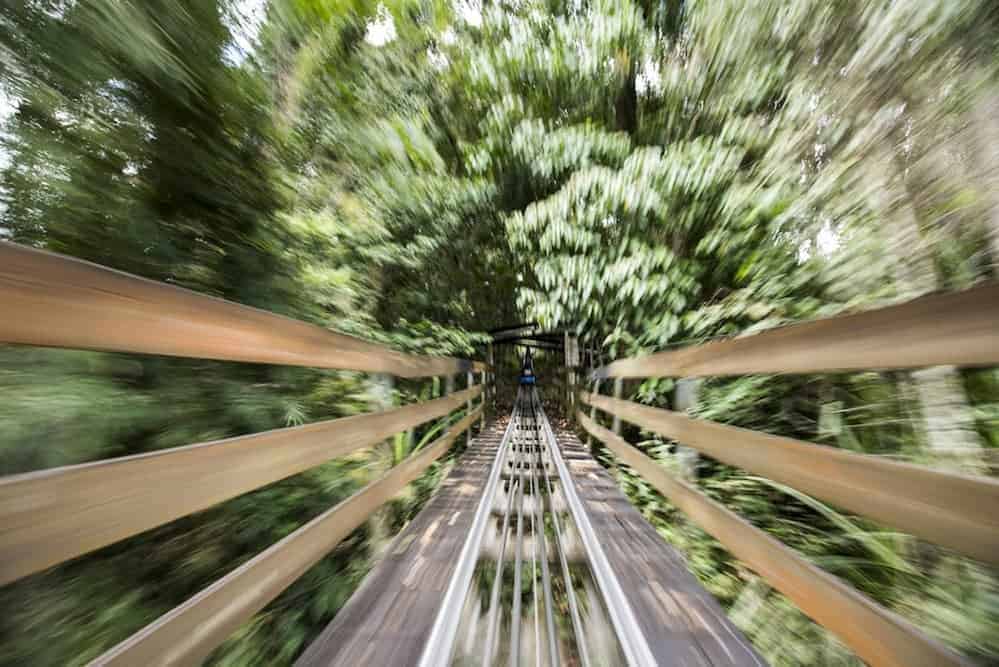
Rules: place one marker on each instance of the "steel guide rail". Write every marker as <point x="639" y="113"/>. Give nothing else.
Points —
<point x="440" y="644"/>
<point x="494" y="597"/>
<point x="517" y="586"/>
<point x="636" y="648"/>
<point x="530" y="447"/>
<point x="552" y="445"/>
<point x="546" y="577"/>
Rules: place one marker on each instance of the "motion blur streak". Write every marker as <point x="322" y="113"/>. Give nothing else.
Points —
<point x="601" y="180"/>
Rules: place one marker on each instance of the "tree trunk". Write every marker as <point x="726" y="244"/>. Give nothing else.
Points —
<point x="912" y="260"/>
<point x="626" y="104"/>
<point x="380" y="391"/>
<point x="985" y="124"/>
<point x="684" y="400"/>
<point x="751" y="598"/>
<point x="948" y="423"/>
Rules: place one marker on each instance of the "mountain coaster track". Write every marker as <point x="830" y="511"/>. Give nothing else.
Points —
<point x="528" y="543"/>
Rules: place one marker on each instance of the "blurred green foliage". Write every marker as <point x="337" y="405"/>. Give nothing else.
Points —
<point x="648" y="174"/>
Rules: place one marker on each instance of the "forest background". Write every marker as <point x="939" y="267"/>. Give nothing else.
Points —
<point x="416" y="172"/>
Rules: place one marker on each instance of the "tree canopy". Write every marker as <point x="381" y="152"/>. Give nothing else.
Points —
<point x="418" y="172"/>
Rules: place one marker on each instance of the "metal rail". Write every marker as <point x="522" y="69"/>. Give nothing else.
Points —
<point x="51" y="516"/>
<point x="633" y="642"/>
<point x="52" y="300"/>
<point x="530" y="453"/>
<point x="551" y="450"/>
<point x="941" y="329"/>
<point x="877" y="635"/>
<point x="188" y="633"/>
<point x="517" y="580"/>
<point x="515" y="486"/>
<point x="440" y="644"/>
<point x="546" y="576"/>
<point x="957" y="511"/>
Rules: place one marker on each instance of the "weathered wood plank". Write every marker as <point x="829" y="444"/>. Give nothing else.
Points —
<point x="681" y="621"/>
<point x="956" y="511"/>
<point x="389" y="618"/>
<point x="57" y="301"/>
<point x="50" y="516"/>
<point x="960" y="329"/>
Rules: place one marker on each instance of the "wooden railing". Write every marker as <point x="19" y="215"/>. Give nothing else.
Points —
<point x="50" y="516"/>
<point x="957" y="511"/>
<point x="941" y="329"/>
<point x="56" y="301"/>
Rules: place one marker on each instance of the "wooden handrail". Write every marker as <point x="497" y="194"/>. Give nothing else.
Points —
<point x="956" y="511"/>
<point x="877" y="635"/>
<point x="188" y="633"/>
<point x="55" y="301"/>
<point x="50" y="516"/>
<point x="960" y="329"/>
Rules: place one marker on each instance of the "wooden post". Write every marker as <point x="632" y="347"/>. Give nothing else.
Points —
<point x="590" y="442"/>
<point x="448" y="389"/>
<point x="471" y="380"/>
<point x="571" y="363"/>
<point x="491" y="373"/>
<point x="482" y="421"/>
<point x="572" y="391"/>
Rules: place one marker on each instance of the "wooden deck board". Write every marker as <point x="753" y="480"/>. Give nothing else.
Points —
<point x="388" y="619"/>
<point x="683" y="624"/>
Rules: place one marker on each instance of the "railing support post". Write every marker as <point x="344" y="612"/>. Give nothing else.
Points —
<point x="571" y="363"/>
<point x="470" y="381"/>
<point x="590" y="442"/>
<point x="491" y="374"/>
<point x="482" y="421"/>
<point x="448" y="389"/>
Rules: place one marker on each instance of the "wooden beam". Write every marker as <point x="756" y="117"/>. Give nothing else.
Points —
<point x="532" y="345"/>
<point x="960" y="329"/>
<point x="956" y="511"/>
<point x="188" y="633"/>
<point x="51" y="300"/>
<point x="50" y="516"/>
<point x="532" y="334"/>
<point x="878" y="636"/>
<point x="513" y="327"/>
